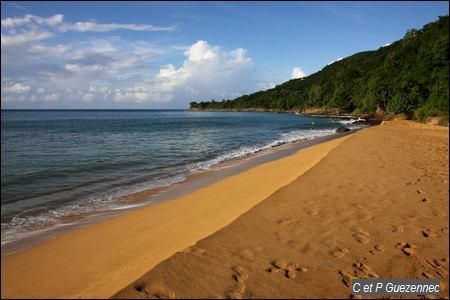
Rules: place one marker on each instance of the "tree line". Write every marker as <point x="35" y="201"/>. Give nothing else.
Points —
<point x="409" y="76"/>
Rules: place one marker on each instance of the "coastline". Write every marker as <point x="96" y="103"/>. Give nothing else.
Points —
<point x="105" y="256"/>
<point x="375" y="207"/>
<point x="83" y="193"/>
<point x="194" y="181"/>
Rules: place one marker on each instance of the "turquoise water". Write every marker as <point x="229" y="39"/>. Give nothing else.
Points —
<point x="61" y="163"/>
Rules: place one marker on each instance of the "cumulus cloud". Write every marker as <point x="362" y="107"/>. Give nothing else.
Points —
<point x="201" y="51"/>
<point x="16" y="88"/>
<point x="51" y="97"/>
<point x="112" y="71"/>
<point x="208" y="72"/>
<point x="297" y="72"/>
<point x="121" y="75"/>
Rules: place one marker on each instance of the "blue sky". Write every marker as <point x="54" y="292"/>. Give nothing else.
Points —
<point x="124" y="54"/>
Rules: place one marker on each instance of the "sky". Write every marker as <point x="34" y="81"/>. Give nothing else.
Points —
<point x="154" y="55"/>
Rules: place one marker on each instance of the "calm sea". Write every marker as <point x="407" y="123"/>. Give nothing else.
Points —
<point x="62" y="163"/>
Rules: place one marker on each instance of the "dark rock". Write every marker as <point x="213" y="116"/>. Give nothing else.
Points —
<point x="342" y="129"/>
<point x="371" y="120"/>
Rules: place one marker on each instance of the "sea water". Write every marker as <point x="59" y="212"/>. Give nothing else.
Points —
<point x="58" y="164"/>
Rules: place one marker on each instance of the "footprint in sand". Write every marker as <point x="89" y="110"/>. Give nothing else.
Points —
<point x="378" y="249"/>
<point x="359" y="270"/>
<point x="140" y="288"/>
<point x="155" y="291"/>
<point x="398" y="229"/>
<point x="288" y="222"/>
<point x="249" y="253"/>
<point x="237" y="292"/>
<point x="424" y="199"/>
<point x="338" y="251"/>
<point x="406" y="248"/>
<point x="295" y="244"/>
<point x="360" y="235"/>
<point x="440" y="266"/>
<point x="312" y="212"/>
<point x="365" y="216"/>
<point x="439" y="213"/>
<point x="310" y="248"/>
<point x="426" y="233"/>
<point x="240" y="276"/>
<point x="282" y="236"/>
<point x="288" y="270"/>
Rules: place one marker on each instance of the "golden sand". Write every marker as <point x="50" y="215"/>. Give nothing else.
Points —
<point x="375" y="207"/>
<point x="369" y="205"/>
<point x="98" y="260"/>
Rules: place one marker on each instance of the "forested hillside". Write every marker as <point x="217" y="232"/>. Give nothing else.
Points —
<point x="409" y="76"/>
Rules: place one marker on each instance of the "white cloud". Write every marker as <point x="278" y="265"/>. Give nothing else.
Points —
<point x="341" y="58"/>
<point x="75" y="68"/>
<point x="112" y="71"/>
<point x="12" y="22"/>
<point x="141" y="93"/>
<point x="21" y="7"/>
<point x="16" y="88"/>
<point x="25" y="37"/>
<point x="28" y="19"/>
<point x="8" y="99"/>
<point x="201" y="51"/>
<point x="208" y="72"/>
<point x="53" y="97"/>
<point x="297" y="72"/>
<point x="95" y="27"/>
<point x="263" y="86"/>
<point x="88" y="97"/>
<point x="56" y="21"/>
<point x="49" y="51"/>
<point x="23" y="30"/>
<point x="120" y="75"/>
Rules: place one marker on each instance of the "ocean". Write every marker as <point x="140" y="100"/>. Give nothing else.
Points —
<point x="58" y="166"/>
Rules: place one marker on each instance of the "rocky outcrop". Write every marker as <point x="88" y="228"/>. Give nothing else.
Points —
<point x="342" y="130"/>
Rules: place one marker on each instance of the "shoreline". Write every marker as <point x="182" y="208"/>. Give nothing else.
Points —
<point x="154" y="227"/>
<point x="193" y="181"/>
<point x="375" y="207"/>
<point x="319" y="112"/>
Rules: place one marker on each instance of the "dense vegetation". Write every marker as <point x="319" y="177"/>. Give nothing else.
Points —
<point x="409" y="76"/>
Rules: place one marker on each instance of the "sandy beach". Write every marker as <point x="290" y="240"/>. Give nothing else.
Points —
<point x="98" y="260"/>
<point x="373" y="204"/>
<point x="375" y="207"/>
